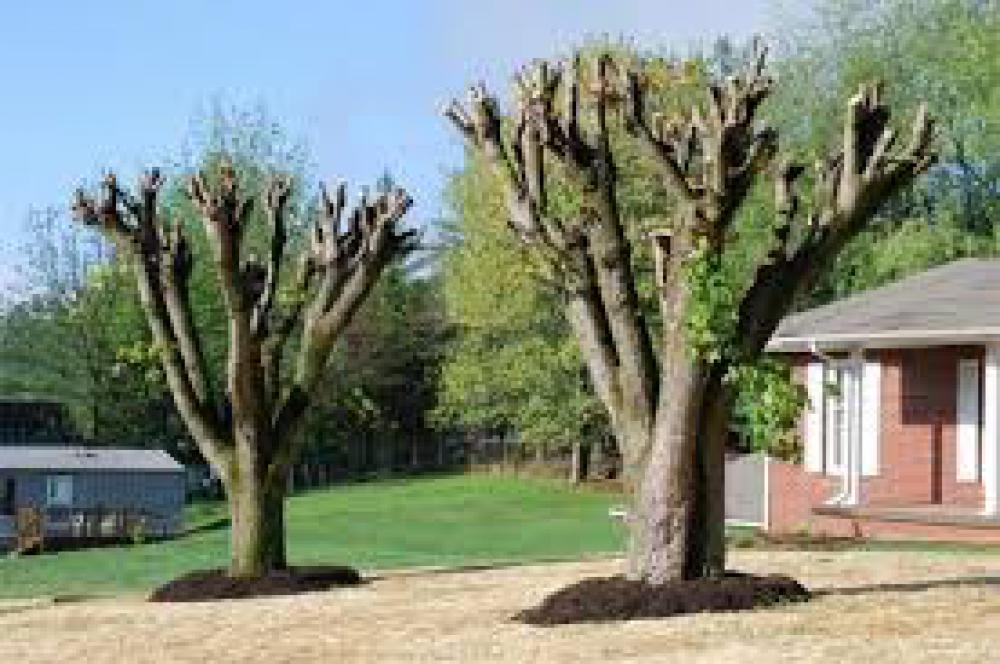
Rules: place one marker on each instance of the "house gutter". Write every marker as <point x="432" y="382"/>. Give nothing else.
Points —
<point x="889" y="339"/>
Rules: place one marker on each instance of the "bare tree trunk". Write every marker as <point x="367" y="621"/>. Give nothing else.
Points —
<point x="575" y="463"/>
<point x="257" y="509"/>
<point x="540" y="455"/>
<point x="580" y="462"/>
<point x="706" y="555"/>
<point x="662" y="502"/>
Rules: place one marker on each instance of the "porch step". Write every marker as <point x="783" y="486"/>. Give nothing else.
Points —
<point x="932" y="515"/>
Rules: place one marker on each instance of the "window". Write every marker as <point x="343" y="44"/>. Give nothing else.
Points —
<point x="59" y="490"/>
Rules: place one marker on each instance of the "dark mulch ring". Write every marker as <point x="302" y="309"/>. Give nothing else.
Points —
<point x="215" y="584"/>
<point x="617" y="598"/>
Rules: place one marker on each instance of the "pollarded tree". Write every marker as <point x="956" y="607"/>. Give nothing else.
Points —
<point x="247" y="430"/>
<point x="670" y="401"/>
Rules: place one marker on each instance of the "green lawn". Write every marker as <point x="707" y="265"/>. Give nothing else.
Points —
<point x="453" y="520"/>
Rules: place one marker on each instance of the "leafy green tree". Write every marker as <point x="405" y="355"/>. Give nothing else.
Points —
<point x="372" y="409"/>
<point x="512" y="363"/>
<point x="944" y="51"/>
<point x="66" y="334"/>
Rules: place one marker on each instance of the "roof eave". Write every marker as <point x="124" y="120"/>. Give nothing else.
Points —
<point x="58" y="469"/>
<point x="887" y="339"/>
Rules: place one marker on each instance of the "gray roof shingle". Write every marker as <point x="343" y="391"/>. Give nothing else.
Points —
<point x="956" y="302"/>
<point x="87" y="459"/>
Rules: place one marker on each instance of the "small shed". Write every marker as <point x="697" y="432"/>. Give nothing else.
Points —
<point x="91" y="492"/>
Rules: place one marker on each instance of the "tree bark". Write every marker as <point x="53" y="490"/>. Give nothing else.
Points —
<point x="664" y="480"/>
<point x="706" y="553"/>
<point x="579" y="462"/>
<point x="257" y="509"/>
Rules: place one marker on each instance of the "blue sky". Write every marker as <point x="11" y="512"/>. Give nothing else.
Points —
<point x="95" y="85"/>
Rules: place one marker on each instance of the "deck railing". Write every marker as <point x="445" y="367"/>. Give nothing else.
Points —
<point x="35" y="527"/>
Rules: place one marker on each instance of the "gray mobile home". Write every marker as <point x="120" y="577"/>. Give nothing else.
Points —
<point x="68" y="486"/>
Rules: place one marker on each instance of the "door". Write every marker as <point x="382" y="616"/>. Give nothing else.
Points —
<point x="7" y="495"/>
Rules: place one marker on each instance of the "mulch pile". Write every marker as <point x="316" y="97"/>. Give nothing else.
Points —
<point x="617" y="598"/>
<point x="215" y="584"/>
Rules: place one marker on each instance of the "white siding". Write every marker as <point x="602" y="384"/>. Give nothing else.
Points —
<point x="871" y="416"/>
<point x="813" y="453"/>
<point x="967" y="398"/>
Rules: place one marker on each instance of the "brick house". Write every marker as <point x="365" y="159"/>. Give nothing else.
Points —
<point x="901" y="437"/>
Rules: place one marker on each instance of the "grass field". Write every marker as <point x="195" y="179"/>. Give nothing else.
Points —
<point x="442" y="521"/>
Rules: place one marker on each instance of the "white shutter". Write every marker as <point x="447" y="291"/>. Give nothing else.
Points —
<point x="813" y="453"/>
<point x="871" y="416"/>
<point x="967" y="401"/>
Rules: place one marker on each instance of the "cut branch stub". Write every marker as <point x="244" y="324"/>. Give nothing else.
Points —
<point x="712" y="156"/>
<point x="105" y="212"/>
<point x="866" y="170"/>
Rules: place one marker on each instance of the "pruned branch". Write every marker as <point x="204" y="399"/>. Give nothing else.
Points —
<point x="590" y="253"/>
<point x="161" y="263"/>
<point x="224" y="212"/>
<point x="712" y="157"/>
<point x="850" y="185"/>
<point x="278" y="192"/>
<point x="346" y="265"/>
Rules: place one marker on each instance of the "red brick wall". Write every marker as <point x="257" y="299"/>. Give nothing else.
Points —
<point x="792" y="493"/>
<point x="917" y="451"/>
<point x="917" y="442"/>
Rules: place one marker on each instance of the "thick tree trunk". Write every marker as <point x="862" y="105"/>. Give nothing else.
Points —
<point x="706" y="555"/>
<point x="668" y="528"/>
<point x="258" y="527"/>
<point x="662" y="508"/>
<point x="677" y="516"/>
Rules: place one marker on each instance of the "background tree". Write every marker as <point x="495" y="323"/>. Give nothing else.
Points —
<point x="943" y="51"/>
<point x="372" y="410"/>
<point x="71" y="333"/>
<point x="246" y="426"/>
<point x="512" y="363"/>
<point x="669" y="403"/>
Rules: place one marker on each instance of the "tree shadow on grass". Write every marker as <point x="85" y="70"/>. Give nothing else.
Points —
<point x="911" y="586"/>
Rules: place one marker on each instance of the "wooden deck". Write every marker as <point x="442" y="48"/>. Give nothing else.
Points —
<point x="931" y="515"/>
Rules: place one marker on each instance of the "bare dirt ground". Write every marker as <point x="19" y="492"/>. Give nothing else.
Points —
<point x="910" y="607"/>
